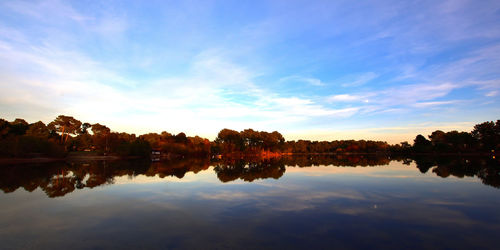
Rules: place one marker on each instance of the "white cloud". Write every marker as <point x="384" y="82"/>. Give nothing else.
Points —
<point x="413" y="95"/>
<point x="109" y="26"/>
<point x="432" y="104"/>
<point x="492" y="93"/>
<point x="360" y="79"/>
<point x="308" y="80"/>
<point x="344" y="98"/>
<point x="395" y="99"/>
<point x="408" y="94"/>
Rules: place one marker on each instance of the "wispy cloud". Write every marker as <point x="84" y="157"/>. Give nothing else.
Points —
<point x="432" y="104"/>
<point x="307" y="80"/>
<point x="360" y="80"/>
<point x="410" y="94"/>
<point x="346" y="98"/>
<point x="393" y="98"/>
<point x="492" y="93"/>
<point x="45" y="11"/>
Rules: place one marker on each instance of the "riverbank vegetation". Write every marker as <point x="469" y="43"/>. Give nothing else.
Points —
<point x="67" y="135"/>
<point x="483" y="139"/>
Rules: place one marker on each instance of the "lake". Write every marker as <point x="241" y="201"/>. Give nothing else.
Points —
<point x="294" y="202"/>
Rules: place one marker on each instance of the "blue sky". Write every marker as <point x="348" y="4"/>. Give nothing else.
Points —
<point x="384" y="70"/>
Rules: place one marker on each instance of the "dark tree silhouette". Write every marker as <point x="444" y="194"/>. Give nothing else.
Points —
<point x="65" y="124"/>
<point x="38" y="129"/>
<point x="488" y="135"/>
<point x="421" y="145"/>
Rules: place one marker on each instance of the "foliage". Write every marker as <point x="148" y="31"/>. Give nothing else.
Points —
<point x="65" y="124"/>
<point x="488" y="135"/>
<point x="484" y="138"/>
<point x="38" y="129"/>
<point x="247" y="141"/>
<point x="343" y="146"/>
<point x="29" y="146"/>
<point x="175" y="146"/>
<point x="65" y="134"/>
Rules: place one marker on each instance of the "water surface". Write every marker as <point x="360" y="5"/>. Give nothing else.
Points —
<point x="300" y="202"/>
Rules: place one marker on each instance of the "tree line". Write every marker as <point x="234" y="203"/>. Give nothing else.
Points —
<point x="65" y="134"/>
<point x="250" y="141"/>
<point x="484" y="138"/>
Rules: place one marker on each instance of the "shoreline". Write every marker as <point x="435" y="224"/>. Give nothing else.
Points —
<point x="16" y="161"/>
<point x="76" y="158"/>
<point x="9" y="161"/>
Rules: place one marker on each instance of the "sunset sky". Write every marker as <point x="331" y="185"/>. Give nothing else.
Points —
<point x="322" y="70"/>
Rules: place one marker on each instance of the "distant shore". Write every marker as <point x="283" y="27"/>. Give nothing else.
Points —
<point x="8" y="161"/>
<point x="86" y="157"/>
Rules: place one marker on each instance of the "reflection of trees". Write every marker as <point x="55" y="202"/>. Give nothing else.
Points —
<point x="488" y="170"/>
<point x="353" y="160"/>
<point x="249" y="171"/>
<point x="424" y="163"/>
<point x="60" y="185"/>
<point x="59" y="179"/>
<point x="177" y="168"/>
<point x="490" y="176"/>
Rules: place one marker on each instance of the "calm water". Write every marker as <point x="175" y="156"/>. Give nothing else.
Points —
<point x="301" y="202"/>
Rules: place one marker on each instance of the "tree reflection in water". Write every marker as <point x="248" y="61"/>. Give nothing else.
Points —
<point x="59" y="179"/>
<point x="486" y="169"/>
<point x="249" y="170"/>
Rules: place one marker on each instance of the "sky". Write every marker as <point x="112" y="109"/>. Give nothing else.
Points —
<point x="318" y="70"/>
